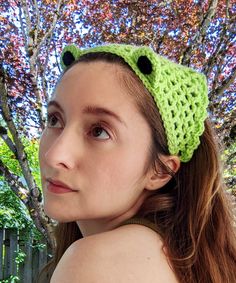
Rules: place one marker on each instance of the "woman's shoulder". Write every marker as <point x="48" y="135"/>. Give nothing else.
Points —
<point x="130" y="253"/>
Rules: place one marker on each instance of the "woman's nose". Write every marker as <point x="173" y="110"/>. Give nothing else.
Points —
<point x="65" y="151"/>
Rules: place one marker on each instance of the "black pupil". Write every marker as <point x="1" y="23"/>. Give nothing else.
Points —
<point x="53" y="120"/>
<point x="97" y="131"/>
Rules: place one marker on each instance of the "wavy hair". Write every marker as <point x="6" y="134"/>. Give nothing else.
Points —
<point x="192" y="211"/>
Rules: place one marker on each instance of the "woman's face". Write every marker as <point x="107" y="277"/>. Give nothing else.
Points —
<point x="96" y="143"/>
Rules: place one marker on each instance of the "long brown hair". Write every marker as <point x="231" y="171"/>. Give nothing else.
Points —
<point x="191" y="212"/>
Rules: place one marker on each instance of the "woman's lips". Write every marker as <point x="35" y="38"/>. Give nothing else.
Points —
<point x="58" y="188"/>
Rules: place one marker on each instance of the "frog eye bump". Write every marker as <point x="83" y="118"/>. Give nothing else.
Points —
<point x="145" y="65"/>
<point x="68" y="58"/>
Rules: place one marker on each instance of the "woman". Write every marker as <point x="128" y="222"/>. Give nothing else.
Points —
<point x="130" y="171"/>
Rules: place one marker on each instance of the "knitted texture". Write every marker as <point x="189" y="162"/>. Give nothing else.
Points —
<point x="180" y="93"/>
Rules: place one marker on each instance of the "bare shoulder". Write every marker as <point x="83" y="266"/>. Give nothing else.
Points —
<point x="131" y="253"/>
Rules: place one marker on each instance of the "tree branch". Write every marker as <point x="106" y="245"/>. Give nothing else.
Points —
<point x="199" y="36"/>
<point x="35" y="209"/>
<point x="160" y="41"/>
<point x="57" y="62"/>
<point x="45" y="68"/>
<point x="220" y="52"/>
<point x="33" y="201"/>
<point x="27" y="16"/>
<point x="38" y="21"/>
<point x="23" y="29"/>
<point x="214" y="56"/>
<point x="227" y="8"/>
<point x="7" y="140"/>
<point x="226" y="83"/>
<point x="33" y="59"/>
<point x="222" y="47"/>
<point x="14" y="183"/>
<point x="20" y="152"/>
<point x="49" y="32"/>
<point x="223" y="66"/>
<point x="215" y="83"/>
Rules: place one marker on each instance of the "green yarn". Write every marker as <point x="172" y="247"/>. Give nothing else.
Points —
<point x="180" y="92"/>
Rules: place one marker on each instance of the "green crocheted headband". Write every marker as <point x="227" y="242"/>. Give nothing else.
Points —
<point x="180" y="93"/>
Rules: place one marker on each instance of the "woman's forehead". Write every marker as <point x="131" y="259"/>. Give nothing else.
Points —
<point x="100" y="80"/>
<point x="95" y="83"/>
<point x="92" y="67"/>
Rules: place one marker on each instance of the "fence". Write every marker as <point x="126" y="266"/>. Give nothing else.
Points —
<point x="19" y="256"/>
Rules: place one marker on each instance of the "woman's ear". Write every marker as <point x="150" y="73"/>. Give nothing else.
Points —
<point x="156" y="177"/>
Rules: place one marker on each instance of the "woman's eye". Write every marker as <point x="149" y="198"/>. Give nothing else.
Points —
<point x="99" y="132"/>
<point x="53" y="121"/>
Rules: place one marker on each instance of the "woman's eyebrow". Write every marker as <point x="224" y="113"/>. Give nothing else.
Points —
<point x="56" y="104"/>
<point x="93" y="110"/>
<point x="97" y="110"/>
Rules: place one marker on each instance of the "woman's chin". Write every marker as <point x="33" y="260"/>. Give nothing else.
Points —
<point x="58" y="216"/>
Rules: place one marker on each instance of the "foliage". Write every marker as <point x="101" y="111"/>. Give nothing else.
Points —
<point x="11" y="279"/>
<point x="20" y="257"/>
<point x="31" y="148"/>
<point x="196" y="33"/>
<point x="13" y="214"/>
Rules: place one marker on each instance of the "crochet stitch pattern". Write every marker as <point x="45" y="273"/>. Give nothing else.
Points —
<point x="179" y="92"/>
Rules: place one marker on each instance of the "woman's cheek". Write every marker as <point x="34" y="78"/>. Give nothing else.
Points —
<point x="44" y="145"/>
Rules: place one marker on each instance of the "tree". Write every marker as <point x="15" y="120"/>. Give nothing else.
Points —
<point x="196" y="33"/>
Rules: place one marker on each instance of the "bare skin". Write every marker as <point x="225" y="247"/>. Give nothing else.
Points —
<point x="131" y="253"/>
